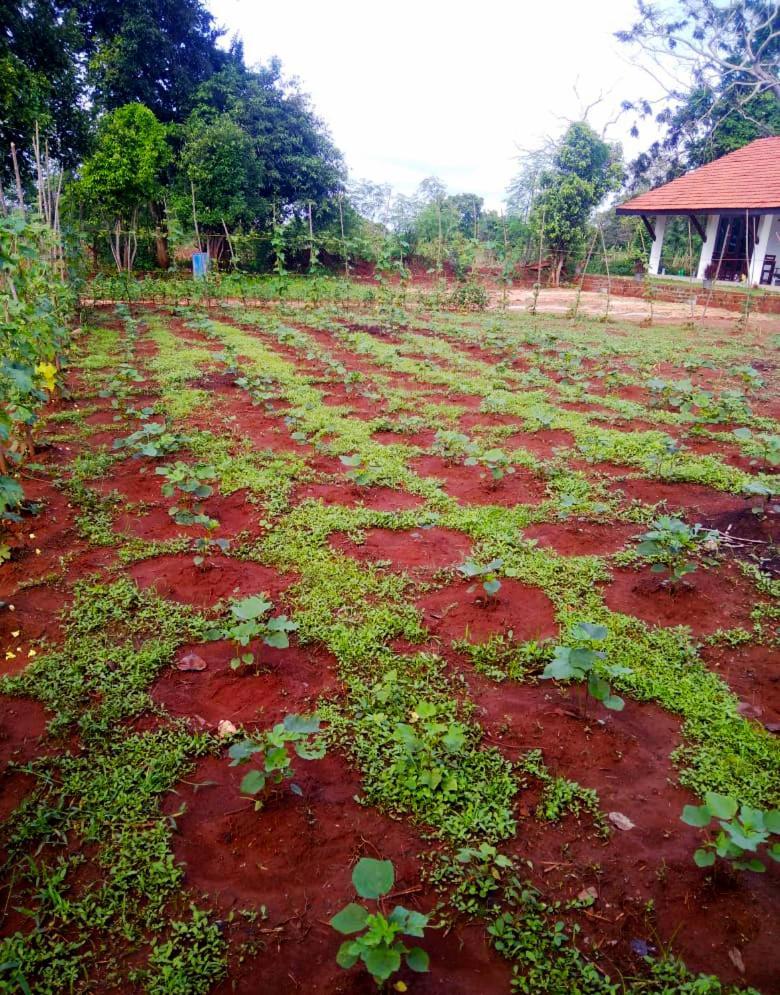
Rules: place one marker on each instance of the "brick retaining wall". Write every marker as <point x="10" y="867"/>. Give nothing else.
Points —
<point x="763" y="302"/>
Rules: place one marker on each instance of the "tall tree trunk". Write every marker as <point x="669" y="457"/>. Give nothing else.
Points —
<point x="161" y="250"/>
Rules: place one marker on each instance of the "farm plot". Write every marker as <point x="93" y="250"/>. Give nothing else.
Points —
<point x="439" y="652"/>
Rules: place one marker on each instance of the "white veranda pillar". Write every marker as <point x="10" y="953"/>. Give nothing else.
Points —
<point x="759" y="249"/>
<point x="655" y="249"/>
<point x="708" y="247"/>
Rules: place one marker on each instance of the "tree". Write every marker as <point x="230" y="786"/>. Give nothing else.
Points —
<point x="154" y="53"/>
<point x="584" y="169"/>
<point x="296" y="158"/>
<point x="219" y="170"/>
<point x="40" y="81"/>
<point x="718" y="69"/>
<point x="708" y="42"/>
<point x="124" y="174"/>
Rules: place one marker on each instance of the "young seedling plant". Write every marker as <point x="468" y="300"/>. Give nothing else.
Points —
<point x="377" y="936"/>
<point x="740" y="835"/>
<point x="487" y="571"/>
<point x="248" y="622"/>
<point x="671" y="544"/>
<point x="359" y="472"/>
<point x="579" y="664"/>
<point x="298" y="731"/>
<point x="191" y="483"/>
<point x="495" y="461"/>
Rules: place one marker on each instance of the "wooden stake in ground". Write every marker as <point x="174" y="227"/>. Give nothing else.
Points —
<point x="609" y="279"/>
<point x="344" y="252"/>
<point x="17" y="174"/>
<point x="538" y="284"/>
<point x="576" y="307"/>
<point x="195" y="216"/>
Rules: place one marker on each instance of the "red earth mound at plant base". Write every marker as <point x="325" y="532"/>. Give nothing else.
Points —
<point x="280" y="682"/>
<point x="295" y="857"/>
<point x="421" y="549"/>
<point x="463" y="611"/>
<point x="706" y="600"/>
<point x="218" y="578"/>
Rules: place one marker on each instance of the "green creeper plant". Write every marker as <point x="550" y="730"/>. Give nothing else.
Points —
<point x="248" y="622"/>
<point x="743" y="830"/>
<point x="579" y="664"/>
<point x="298" y="731"/>
<point x="379" y="944"/>
<point x="671" y="544"/>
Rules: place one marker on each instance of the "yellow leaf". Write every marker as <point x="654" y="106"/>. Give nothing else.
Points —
<point x="400" y="986"/>
<point x="48" y="373"/>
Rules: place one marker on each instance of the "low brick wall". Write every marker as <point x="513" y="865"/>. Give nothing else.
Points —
<point x="763" y="302"/>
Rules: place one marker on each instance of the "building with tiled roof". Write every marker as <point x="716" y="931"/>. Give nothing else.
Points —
<point x="734" y="203"/>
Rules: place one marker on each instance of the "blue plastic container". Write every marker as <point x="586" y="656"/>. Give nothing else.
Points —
<point x="200" y="265"/>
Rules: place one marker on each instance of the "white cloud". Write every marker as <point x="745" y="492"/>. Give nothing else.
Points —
<point x="413" y="89"/>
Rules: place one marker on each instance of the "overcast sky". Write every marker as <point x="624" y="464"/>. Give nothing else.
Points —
<point x="426" y="87"/>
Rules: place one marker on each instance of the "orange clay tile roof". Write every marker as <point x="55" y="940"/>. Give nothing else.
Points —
<point x="746" y="179"/>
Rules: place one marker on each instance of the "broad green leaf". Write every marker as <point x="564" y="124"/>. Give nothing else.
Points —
<point x="382" y="962"/>
<point x="721" y="806"/>
<point x="253" y="782"/>
<point x="278" y="640"/>
<point x="492" y="586"/>
<point x="696" y="815"/>
<point x="241" y="751"/>
<point x="704" y="858"/>
<point x="351" y="919"/>
<point x="346" y="956"/>
<point x="373" y="878"/>
<point x="301" y="723"/>
<point x="772" y="820"/>
<point x="589" y="630"/>
<point x="418" y="960"/>
<point x="250" y="608"/>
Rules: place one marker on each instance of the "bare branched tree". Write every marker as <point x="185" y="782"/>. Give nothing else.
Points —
<point x="704" y="43"/>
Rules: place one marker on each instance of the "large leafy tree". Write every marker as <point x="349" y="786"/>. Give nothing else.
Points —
<point x="295" y="157"/>
<point x="40" y="82"/>
<point x="124" y="175"/>
<point x="583" y="170"/>
<point x="154" y="52"/>
<point x="220" y="179"/>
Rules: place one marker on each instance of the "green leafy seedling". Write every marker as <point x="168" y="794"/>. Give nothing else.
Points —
<point x="671" y="545"/>
<point x="377" y="936"/>
<point x="248" y="622"/>
<point x="579" y="664"/>
<point x="491" y="584"/>
<point x="743" y="830"/>
<point x="298" y="731"/>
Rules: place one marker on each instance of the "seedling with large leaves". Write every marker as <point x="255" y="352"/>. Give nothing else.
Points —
<point x="152" y="440"/>
<point x="495" y="461"/>
<point x="378" y="943"/>
<point x="486" y="571"/>
<point x="743" y="830"/>
<point x="192" y="484"/>
<point x="271" y="747"/>
<point x="359" y="472"/>
<point x="671" y="546"/>
<point x="248" y="622"/>
<point x="584" y="664"/>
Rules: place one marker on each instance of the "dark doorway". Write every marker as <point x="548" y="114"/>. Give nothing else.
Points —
<point x="734" y="246"/>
